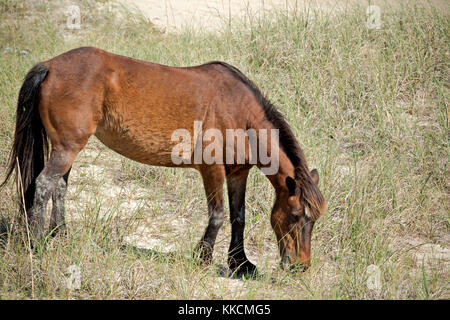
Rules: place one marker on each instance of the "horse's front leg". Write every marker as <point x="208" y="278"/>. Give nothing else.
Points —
<point x="237" y="259"/>
<point x="213" y="179"/>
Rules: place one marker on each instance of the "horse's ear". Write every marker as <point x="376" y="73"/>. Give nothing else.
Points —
<point x="315" y="176"/>
<point x="292" y="186"/>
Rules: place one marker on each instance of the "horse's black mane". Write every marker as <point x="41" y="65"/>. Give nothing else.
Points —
<point x="288" y="142"/>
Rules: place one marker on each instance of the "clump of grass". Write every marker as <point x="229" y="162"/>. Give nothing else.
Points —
<point x="369" y="107"/>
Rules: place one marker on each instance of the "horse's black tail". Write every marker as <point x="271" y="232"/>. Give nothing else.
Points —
<point x="30" y="147"/>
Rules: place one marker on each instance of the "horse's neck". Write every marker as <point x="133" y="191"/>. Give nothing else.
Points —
<point x="286" y="169"/>
<point x="285" y="166"/>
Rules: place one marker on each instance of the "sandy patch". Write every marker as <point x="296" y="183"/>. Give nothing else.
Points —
<point x="173" y="15"/>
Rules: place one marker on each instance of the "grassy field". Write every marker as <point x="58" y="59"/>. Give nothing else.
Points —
<point x="369" y="108"/>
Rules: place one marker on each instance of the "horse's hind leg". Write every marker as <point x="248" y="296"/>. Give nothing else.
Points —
<point x="57" y="166"/>
<point x="57" y="220"/>
<point x="213" y="179"/>
<point x="237" y="260"/>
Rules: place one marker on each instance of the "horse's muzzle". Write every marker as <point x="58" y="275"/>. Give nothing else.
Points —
<point x="299" y="267"/>
<point x="295" y="267"/>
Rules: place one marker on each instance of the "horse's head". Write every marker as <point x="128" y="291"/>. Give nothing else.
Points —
<point x="296" y="209"/>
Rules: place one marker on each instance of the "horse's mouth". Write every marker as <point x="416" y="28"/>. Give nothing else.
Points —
<point x="294" y="267"/>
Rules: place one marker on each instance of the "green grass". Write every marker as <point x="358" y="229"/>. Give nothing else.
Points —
<point x="369" y="108"/>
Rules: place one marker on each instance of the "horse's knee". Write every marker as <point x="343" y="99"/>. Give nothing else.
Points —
<point x="51" y="181"/>
<point x="216" y="218"/>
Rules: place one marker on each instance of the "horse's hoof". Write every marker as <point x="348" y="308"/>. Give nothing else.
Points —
<point x="244" y="269"/>
<point x="60" y="230"/>
<point x="202" y="256"/>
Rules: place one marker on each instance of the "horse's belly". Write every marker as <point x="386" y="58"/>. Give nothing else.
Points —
<point x="146" y="147"/>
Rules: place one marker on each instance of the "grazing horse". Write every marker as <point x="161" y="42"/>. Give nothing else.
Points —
<point x="134" y="107"/>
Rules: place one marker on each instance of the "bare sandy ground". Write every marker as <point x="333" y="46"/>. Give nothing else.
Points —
<point x="213" y="15"/>
<point x="172" y="15"/>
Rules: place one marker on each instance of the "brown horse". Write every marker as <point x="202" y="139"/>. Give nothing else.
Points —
<point x="134" y="107"/>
